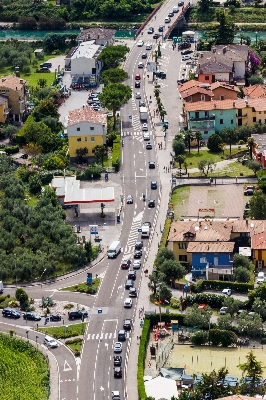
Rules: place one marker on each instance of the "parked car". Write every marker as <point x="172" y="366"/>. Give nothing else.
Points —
<point x="186" y="57"/>
<point x="128" y="303"/>
<point x="180" y="3"/>
<point x="248" y="192"/>
<point x="170" y="14"/>
<point x="150" y="30"/>
<point x="10" y="313"/>
<point x="202" y="307"/>
<point x="130" y="199"/>
<point x="223" y="310"/>
<point x="55" y="317"/>
<point x="118" y="347"/>
<point x="50" y="341"/>
<point x="118" y="372"/>
<point x="32" y="316"/>
<point x="183" y="53"/>
<point x="161" y="28"/>
<point x="260" y="278"/>
<point x="167" y="20"/>
<point x="77" y="314"/>
<point x="227" y="292"/>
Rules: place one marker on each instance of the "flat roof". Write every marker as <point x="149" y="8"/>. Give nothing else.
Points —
<point x="86" y="50"/>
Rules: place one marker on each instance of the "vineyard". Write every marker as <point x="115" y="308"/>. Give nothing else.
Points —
<point x="24" y="370"/>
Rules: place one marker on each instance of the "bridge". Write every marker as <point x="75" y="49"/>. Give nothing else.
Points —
<point x="178" y="18"/>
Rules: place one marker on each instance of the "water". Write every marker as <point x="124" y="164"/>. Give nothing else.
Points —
<point x="200" y="34"/>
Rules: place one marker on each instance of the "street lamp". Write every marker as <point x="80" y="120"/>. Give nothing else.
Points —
<point x="42" y="275"/>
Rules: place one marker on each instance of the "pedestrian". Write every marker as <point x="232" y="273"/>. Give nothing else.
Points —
<point x="143" y="309"/>
<point x="161" y="145"/>
<point x="139" y="313"/>
<point x="168" y="169"/>
<point x="141" y="323"/>
<point x="154" y="113"/>
<point x="164" y="168"/>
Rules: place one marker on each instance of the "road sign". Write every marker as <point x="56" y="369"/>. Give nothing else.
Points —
<point x="100" y="311"/>
<point x="93" y="229"/>
<point x="150" y="101"/>
<point x="130" y="116"/>
<point x="89" y="278"/>
<point x="139" y="230"/>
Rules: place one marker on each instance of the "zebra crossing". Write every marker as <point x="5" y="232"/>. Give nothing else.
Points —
<point x="105" y="336"/>
<point x="136" y="133"/>
<point x="136" y="122"/>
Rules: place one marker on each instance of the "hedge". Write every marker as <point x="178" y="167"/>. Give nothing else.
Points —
<point x="165" y="234"/>
<point x="116" y="154"/>
<point x="220" y="285"/>
<point x="141" y="358"/>
<point x="165" y="317"/>
<point x="11" y="149"/>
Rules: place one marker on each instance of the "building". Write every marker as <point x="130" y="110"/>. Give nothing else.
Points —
<point x="14" y="88"/>
<point x="101" y="36"/>
<point x="83" y="63"/>
<point x="86" y="128"/>
<point x="254" y="91"/>
<point x="259" y="151"/>
<point x="4" y="109"/>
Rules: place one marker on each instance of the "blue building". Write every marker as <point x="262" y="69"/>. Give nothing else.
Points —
<point x="212" y="260"/>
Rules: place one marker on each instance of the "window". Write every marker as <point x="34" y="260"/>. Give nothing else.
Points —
<point x="79" y="139"/>
<point x="206" y="114"/>
<point x="221" y="112"/>
<point x="203" y="97"/>
<point x="259" y="121"/>
<point x="92" y="128"/>
<point x="78" y="129"/>
<point x="182" y="245"/>
<point x="221" y="121"/>
<point x="254" y="119"/>
<point x="190" y="99"/>
<point x="92" y="139"/>
<point x="183" y="258"/>
<point x="221" y="97"/>
<point x="207" y="78"/>
<point x="232" y="122"/>
<point x="85" y="139"/>
<point x="196" y="114"/>
<point x="205" y="132"/>
<point x="93" y="151"/>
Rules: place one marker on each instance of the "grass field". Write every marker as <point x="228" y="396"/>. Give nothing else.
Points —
<point x="83" y="287"/>
<point x="204" y="359"/>
<point x="194" y="157"/>
<point x="179" y="199"/>
<point x="64" y="331"/>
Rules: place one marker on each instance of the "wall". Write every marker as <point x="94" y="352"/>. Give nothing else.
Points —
<point x="240" y="69"/>
<point x="85" y="134"/>
<point x="83" y="66"/>
<point x="259" y="255"/>
<point x="228" y="94"/>
<point x="223" y="259"/>
<point x="181" y="252"/>
<point x="228" y="117"/>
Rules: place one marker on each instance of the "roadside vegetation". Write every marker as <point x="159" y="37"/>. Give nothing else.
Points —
<point x="65" y="331"/>
<point x="84" y="287"/>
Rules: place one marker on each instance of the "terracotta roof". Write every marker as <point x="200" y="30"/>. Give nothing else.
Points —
<point x="254" y="91"/>
<point x="12" y="82"/>
<point x="204" y="231"/>
<point x="237" y="397"/>
<point x="188" y="85"/>
<point x="210" y="247"/>
<point x="194" y="90"/>
<point x="224" y="85"/>
<point x="258" y="104"/>
<point x="212" y="66"/>
<point x="248" y="226"/>
<point x="86" y="114"/>
<point x="258" y="241"/>
<point x="96" y="33"/>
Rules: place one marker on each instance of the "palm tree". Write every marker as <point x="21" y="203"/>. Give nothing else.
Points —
<point x="229" y="135"/>
<point x="100" y="152"/>
<point x="251" y="144"/>
<point x="198" y="137"/>
<point x="180" y="158"/>
<point x="189" y="135"/>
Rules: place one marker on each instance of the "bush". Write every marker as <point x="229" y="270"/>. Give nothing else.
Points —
<point x="213" y="300"/>
<point x="141" y="359"/>
<point x="174" y="303"/>
<point x="116" y="155"/>
<point x="220" y="285"/>
<point x="92" y="170"/>
<point x="165" y="234"/>
<point x="11" y="149"/>
<point x="199" y="338"/>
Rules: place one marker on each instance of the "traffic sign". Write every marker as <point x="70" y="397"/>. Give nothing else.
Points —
<point x="100" y="311"/>
<point x="93" y="229"/>
<point x="130" y="116"/>
<point x="150" y="101"/>
<point x="139" y="230"/>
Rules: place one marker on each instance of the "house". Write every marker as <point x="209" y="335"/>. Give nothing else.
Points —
<point x="4" y="109"/>
<point x="254" y="91"/>
<point x="223" y="63"/>
<point x="259" y="151"/>
<point x="83" y="63"/>
<point x="14" y="88"/>
<point x="198" y="91"/>
<point x="101" y="36"/>
<point x="210" y="257"/>
<point x="86" y="128"/>
<point x="224" y="91"/>
<point x="258" y="246"/>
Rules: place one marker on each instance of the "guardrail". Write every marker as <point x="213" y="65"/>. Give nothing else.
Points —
<point x="148" y="19"/>
<point x="179" y="17"/>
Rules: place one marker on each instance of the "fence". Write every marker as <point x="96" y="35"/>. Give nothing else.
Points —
<point x="164" y="350"/>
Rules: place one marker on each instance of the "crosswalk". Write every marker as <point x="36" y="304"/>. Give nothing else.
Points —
<point x="105" y="336"/>
<point x="136" y="122"/>
<point x="136" y="133"/>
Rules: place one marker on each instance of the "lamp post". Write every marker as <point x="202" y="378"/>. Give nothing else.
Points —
<point x="42" y="275"/>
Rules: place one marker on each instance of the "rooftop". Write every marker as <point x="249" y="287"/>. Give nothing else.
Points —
<point x="86" y="114"/>
<point x="258" y="241"/>
<point x="200" y="231"/>
<point x="210" y="247"/>
<point x="86" y="50"/>
<point x="12" y="82"/>
<point x="257" y="104"/>
<point x="254" y="91"/>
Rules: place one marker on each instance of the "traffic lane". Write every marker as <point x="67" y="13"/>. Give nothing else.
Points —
<point x="237" y="296"/>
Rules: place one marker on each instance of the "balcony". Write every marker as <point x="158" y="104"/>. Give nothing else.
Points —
<point x="241" y="115"/>
<point x="208" y="118"/>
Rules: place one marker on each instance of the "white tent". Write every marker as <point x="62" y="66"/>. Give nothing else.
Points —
<point x="161" y="388"/>
<point x="188" y="33"/>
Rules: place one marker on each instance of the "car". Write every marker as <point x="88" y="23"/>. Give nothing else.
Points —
<point x="146" y="136"/>
<point x="140" y="43"/>
<point x="145" y="127"/>
<point x="24" y="156"/>
<point x="131" y="274"/>
<point x="180" y="3"/>
<point x="141" y="103"/>
<point x="227" y="292"/>
<point x="118" y="359"/>
<point x="148" y="46"/>
<point x="170" y="14"/>
<point x="136" y="264"/>
<point x="260" y="278"/>
<point x="118" y="372"/>
<point x="137" y="84"/>
<point x="139" y="245"/>
<point x="147" y="224"/>
<point x="125" y="263"/>
<point x="148" y="146"/>
<point x="144" y="55"/>
<point x="223" y="310"/>
<point x="118" y="347"/>
<point x="186" y="57"/>
<point x="138" y="95"/>
<point x="10" y="313"/>
<point x="116" y="395"/>
<point x="160" y="74"/>
<point x="151" y="203"/>
<point x="127" y="324"/>
<point x="129" y="283"/>
<point x="151" y="165"/>
<point x="32" y="316"/>
<point x="167" y="20"/>
<point x="150" y="30"/>
<point x="239" y="312"/>
<point x="50" y="341"/>
<point x="202" y="307"/>
<point x="248" y="192"/>
<point x="161" y="28"/>
<point x="55" y="317"/>
<point x="153" y="184"/>
<point x="121" y="335"/>
<point x="137" y="77"/>
<point x="137" y="254"/>
<point x="140" y="65"/>
<point x="128" y="303"/>
<point x="183" y="53"/>
<point x="77" y="314"/>
<point x="129" y="199"/>
<point x="132" y="292"/>
<point x="156" y="36"/>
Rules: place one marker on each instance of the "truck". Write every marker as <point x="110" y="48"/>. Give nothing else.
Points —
<point x="145" y="231"/>
<point x="114" y="249"/>
<point x="143" y="113"/>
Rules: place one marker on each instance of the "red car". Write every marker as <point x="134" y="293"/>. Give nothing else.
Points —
<point x="137" y="77"/>
<point x="202" y="306"/>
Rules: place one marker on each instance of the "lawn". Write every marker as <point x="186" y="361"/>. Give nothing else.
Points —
<point x="233" y="169"/>
<point x="84" y="287"/>
<point x="24" y="371"/>
<point x="194" y="157"/>
<point x="65" y="331"/>
<point x="179" y="199"/>
<point x="204" y="359"/>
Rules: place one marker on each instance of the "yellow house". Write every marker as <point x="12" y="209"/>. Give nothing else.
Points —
<point x="4" y="110"/>
<point x="86" y="128"/>
<point x="14" y="88"/>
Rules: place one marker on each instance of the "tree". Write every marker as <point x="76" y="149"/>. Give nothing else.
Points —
<point x="255" y="166"/>
<point x="163" y="293"/>
<point x="225" y="32"/>
<point x="213" y="142"/>
<point x="88" y="250"/>
<point x="114" y="96"/>
<point x="256" y="80"/>
<point x="46" y="108"/>
<point x="42" y="82"/>
<point x="172" y="270"/>
<point x="111" y="56"/>
<point x="253" y="373"/>
<point x="213" y="386"/>
<point x="54" y="41"/>
<point x="242" y="274"/>
<point x="250" y="325"/>
<point x="178" y="146"/>
<point x="199" y="338"/>
<point x="222" y="337"/>
<point x="197" y="317"/>
<point x="180" y="158"/>
<point x="204" y="6"/>
<point x="224" y="322"/>
<point x="189" y="135"/>
<point x="198" y="137"/>
<point x="22" y="297"/>
<point x="114" y="75"/>
<point x="82" y="152"/>
<point x="232" y="305"/>
<point x="35" y="184"/>
<point x="229" y="136"/>
<point x="163" y="255"/>
<point x="251" y="144"/>
<point x="205" y="166"/>
<point x="241" y="261"/>
<point x="258" y="205"/>
<point x="100" y="152"/>
<point x="155" y="278"/>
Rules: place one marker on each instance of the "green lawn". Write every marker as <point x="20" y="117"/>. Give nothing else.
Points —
<point x="64" y="331"/>
<point x="194" y="157"/>
<point x="234" y="169"/>
<point x="179" y="199"/>
<point x="84" y="288"/>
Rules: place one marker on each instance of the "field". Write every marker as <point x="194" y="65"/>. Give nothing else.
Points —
<point x="204" y="359"/>
<point x="24" y="371"/>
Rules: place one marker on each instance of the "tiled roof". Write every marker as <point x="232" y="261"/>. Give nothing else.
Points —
<point x="12" y="82"/>
<point x="224" y="85"/>
<point x="237" y="397"/>
<point x="210" y="247"/>
<point x="254" y="91"/>
<point x="205" y="231"/>
<point x="248" y="226"/>
<point x="258" y="241"/>
<point x="258" y="104"/>
<point x="188" y="85"/>
<point x="212" y="66"/>
<point x="71" y="52"/>
<point x="86" y="114"/>
<point x="194" y="90"/>
<point x="96" y="33"/>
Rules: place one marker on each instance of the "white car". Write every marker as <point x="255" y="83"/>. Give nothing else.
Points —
<point x="136" y="264"/>
<point x="167" y="20"/>
<point x="116" y="395"/>
<point x="138" y="95"/>
<point x="129" y="199"/>
<point x="148" y="46"/>
<point x="261" y="277"/>
<point x="140" y="65"/>
<point x="146" y="136"/>
<point x="128" y="303"/>
<point x="118" y="347"/>
<point x="223" y="310"/>
<point x="227" y="292"/>
<point x="145" y="127"/>
<point x="186" y="57"/>
<point x="50" y="341"/>
<point x="140" y="43"/>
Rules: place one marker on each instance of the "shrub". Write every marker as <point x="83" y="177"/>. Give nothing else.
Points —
<point x="11" y="149"/>
<point x="165" y="234"/>
<point x="199" y="338"/>
<point x="141" y="359"/>
<point x="174" y="303"/>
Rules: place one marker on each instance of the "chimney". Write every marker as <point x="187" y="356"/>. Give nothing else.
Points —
<point x="215" y="105"/>
<point x="3" y="79"/>
<point x="246" y="222"/>
<point x="214" y="49"/>
<point x="16" y="88"/>
<point x="21" y="81"/>
<point x="224" y="49"/>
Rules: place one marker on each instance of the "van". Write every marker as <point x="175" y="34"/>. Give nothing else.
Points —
<point x="175" y="9"/>
<point x="114" y="249"/>
<point x="77" y="314"/>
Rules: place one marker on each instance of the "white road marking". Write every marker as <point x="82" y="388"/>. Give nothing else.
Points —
<point x="67" y="367"/>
